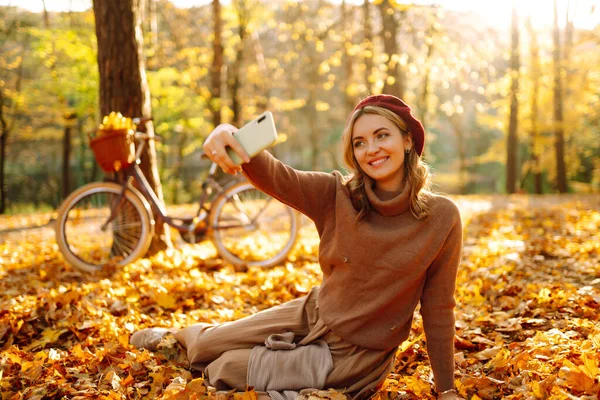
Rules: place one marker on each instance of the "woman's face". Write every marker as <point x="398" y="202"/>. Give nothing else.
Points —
<point x="379" y="148"/>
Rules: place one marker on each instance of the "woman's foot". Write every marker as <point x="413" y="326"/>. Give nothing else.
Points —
<point x="148" y="338"/>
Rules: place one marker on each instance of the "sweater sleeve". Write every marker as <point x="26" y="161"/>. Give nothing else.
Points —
<point x="309" y="192"/>
<point x="437" y="306"/>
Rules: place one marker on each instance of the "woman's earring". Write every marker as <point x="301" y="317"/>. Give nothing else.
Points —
<point x="407" y="150"/>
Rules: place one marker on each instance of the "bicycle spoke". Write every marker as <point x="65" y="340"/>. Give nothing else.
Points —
<point x="253" y="228"/>
<point x="127" y="238"/>
<point x="117" y="244"/>
<point x="239" y="206"/>
<point x="89" y="247"/>
<point x="124" y="245"/>
<point x="126" y="225"/>
<point x="262" y="209"/>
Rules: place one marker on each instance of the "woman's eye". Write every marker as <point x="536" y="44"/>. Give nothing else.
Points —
<point x="358" y="144"/>
<point x="383" y="135"/>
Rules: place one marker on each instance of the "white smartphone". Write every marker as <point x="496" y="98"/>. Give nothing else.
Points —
<point x="255" y="136"/>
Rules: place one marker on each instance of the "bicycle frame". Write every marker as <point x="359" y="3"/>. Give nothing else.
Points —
<point x="183" y="225"/>
<point x="134" y="209"/>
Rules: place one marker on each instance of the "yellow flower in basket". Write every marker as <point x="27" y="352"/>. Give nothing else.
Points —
<point x="115" y="121"/>
<point x="113" y="145"/>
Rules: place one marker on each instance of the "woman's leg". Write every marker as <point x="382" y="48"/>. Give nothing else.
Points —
<point x="229" y="371"/>
<point x="205" y="342"/>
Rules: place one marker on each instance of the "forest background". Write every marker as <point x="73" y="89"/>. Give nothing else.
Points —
<point x="509" y="106"/>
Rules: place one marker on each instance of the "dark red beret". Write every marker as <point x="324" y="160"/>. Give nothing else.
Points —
<point x="400" y="108"/>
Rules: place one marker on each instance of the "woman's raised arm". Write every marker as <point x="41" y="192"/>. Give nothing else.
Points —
<point x="309" y="192"/>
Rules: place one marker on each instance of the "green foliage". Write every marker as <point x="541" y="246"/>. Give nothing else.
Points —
<point x="299" y="60"/>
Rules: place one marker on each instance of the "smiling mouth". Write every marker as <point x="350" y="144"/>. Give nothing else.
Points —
<point x="378" y="162"/>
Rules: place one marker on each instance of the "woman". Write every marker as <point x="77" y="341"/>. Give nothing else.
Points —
<point x="386" y="244"/>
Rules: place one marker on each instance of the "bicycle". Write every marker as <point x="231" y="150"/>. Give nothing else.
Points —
<point x="120" y="218"/>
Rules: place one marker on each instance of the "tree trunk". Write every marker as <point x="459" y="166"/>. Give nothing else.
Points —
<point x="235" y="78"/>
<point x="46" y="17"/>
<point x="123" y="85"/>
<point x="70" y="118"/>
<point x="349" y="100"/>
<point x="149" y="17"/>
<point x="512" y="140"/>
<point x="456" y="121"/>
<point x="217" y="65"/>
<point x="6" y="128"/>
<point x="311" y="111"/>
<point x="82" y="152"/>
<point x="263" y="86"/>
<point x="153" y="26"/>
<point x="424" y="97"/>
<point x="177" y="177"/>
<point x="535" y="77"/>
<point x="559" y="140"/>
<point x="568" y="47"/>
<point x="368" y="45"/>
<point x="62" y="101"/>
<point x="394" y="83"/>
<point x="3" y="142"/>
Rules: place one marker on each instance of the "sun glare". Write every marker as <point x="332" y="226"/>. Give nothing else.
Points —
<point x="585" y="13"/>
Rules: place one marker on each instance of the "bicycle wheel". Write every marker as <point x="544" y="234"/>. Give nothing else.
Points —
<point x="79" y="227"/>
<point x="251" y="228"/>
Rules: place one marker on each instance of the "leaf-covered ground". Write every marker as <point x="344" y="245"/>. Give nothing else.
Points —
<point x="527" y="318"/>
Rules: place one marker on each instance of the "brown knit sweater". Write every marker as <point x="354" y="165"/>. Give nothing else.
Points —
<point x="376" y="272"/>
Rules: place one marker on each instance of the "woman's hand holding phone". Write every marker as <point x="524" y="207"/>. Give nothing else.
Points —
<point x="215" y="147"/>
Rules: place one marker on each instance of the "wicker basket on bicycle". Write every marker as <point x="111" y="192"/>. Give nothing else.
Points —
<point x="113" y="145"/>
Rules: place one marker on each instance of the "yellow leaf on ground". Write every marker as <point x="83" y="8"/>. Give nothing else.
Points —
<point x="177" y="385"/>
<point x="417" y="385"/>
<point x="590" y="364"/>
<point x="500" y="360"/>
<point x="113" y="379"/>
<point x="537" y="390"/>
<point x="407" y="344"/>
<point x="197" y="386"/>
<point x="167" y="301"/>
<point x="32" y="370"/>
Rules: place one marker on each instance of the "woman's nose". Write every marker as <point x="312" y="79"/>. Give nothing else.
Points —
<point x="372" y="148"/>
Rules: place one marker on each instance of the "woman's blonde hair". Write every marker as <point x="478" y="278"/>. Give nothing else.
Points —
<point x="416" y="172"/>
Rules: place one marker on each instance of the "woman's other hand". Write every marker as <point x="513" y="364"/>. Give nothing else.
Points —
<point x="215" y="147"/>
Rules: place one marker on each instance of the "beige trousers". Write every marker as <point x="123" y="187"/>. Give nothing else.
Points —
<point x="222" y="351"/>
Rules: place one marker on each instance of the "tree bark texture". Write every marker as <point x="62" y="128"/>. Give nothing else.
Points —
<point x="123" y="85"/>
<point x="459" y="131"/>
<point x="368" y="45"/>
<point x="394" y="83"/>
<point x="559" y="134"/>
<point x="66" y="165"/>
<point x="347" y="62"/>
<point x="235" y="78"/>
<point x="512" y="139"/>
<point x="217" y="64"/>
<point x="6" y="128"/>
<point x="263" y="86"/>
<point x="311" y="111"/>
<point x="3" y="142"/>
<point x="425" y="92"/>
<point x="534" y="56"/>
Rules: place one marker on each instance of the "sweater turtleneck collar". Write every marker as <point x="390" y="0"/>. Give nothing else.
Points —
<point x="398" y="204"/>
